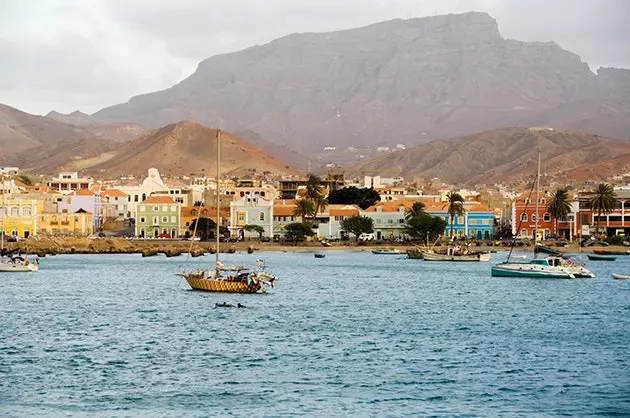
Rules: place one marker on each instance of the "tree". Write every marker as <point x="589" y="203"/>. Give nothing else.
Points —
<point x="559" y="206"/>
<point x="205" y="228"/>
<point x="363" y="198"/>
<point x="357" y="225"/>
<point x="424" y="226"/>
<point x="455" y="206"/>
<point x="296" y="231"/>
<point x="304" y="208"/>
<point x="25" y="179"/>
<point x="415" y="211"/>
<point x="603" y="201"/>
<point x="255" y="228"/>
<point x="315" y="193"/>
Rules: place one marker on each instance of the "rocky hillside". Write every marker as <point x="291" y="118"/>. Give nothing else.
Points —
<point x="401" y="81"/>
<point x="506" y="155"/>
<point x="181" y="149"/>
<point x="20" y="131"/>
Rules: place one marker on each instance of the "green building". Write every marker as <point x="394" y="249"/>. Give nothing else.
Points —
<point x="157" y="217"/>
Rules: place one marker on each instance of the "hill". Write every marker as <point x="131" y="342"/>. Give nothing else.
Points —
<point x="20" y="131"/>
<point x="401" y="81"/>
<point x="184" y="148"/>
<point x="504" y="156"/>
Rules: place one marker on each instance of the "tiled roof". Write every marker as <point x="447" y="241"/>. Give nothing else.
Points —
<point x="283" y="210"/>
<point x="343" y="212"/>
<point x="84" y="192"/>
<point x="389" y="206"/>
<point x="159" y="200"/>
<point x="114" y="193"/>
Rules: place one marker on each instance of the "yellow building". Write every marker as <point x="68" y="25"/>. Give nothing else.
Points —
<point x="20" y="216"/>
<point x="78" y="223"/>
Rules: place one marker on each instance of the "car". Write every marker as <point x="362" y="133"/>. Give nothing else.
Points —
<point x="366" y="237"/>
<point x="163" y="235"/>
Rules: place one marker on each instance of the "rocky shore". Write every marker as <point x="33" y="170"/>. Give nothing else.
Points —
<point x="42" y="246"/>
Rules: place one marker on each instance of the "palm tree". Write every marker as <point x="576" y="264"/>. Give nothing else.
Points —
<point x="455" y="205"/>
<point x="315" y="193"/>
<point x="559" y="206"/>
<point x="304" y="208"/>
<point x="415" y="210"/>
<point x="603" y="201"/>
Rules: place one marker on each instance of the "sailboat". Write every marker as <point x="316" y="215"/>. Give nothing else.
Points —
<point x="12" y="263"/>
<point x="221" y="278"/>
<point x="550" y="267"/>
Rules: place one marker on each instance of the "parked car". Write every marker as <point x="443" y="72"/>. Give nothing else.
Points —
<point x="366" y="237"/>
<point x="164" y="235"/>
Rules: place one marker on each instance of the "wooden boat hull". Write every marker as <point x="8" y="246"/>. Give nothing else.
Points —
<point x="596" y="257"/>
<point x="620" y="276"/>
<point x="223" y="286"/>
<point x="414" y="254"/>
<point x="611" y="252"/>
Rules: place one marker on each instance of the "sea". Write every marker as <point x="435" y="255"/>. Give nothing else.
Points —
<point x="351" y="334"/>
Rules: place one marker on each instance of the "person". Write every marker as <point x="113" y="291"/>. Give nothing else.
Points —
<point x="241" y="306"/>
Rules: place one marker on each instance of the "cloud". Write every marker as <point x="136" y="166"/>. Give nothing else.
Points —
<point x="90" y="54"/>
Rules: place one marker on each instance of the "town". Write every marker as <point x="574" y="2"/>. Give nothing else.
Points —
<point x="301" y="208"/>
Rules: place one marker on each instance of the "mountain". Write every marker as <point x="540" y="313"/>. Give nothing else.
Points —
<point x="400" y="81"/>
<point x="279" y="152"/>
<point x="120" y="132"/>
<point x="75" y="118"/>
<point x="20" y="131"/>
<point x="504" y="156"/>
<point x="181" y="149"/>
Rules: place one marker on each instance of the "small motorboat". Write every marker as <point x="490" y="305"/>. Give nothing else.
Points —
<point x="598" y="257"/>
<point x="387" y="252"/>
<point x="621" y="276"/>
<point x="320" y="255"/>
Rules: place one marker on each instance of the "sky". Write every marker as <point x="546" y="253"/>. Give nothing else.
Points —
<point x="68" y="55"/>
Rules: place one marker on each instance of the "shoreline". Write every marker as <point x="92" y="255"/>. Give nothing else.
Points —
<point x="43" y="246"/>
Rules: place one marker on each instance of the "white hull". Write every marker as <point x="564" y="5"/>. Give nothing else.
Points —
<point x="7" y="266"/>
<point x="429" y="256"/>
<point x="620" y="276"/>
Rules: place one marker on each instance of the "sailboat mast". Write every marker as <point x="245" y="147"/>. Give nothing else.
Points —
<point x="218" y="197"/>
<point x="537" y="200"/>
<point x="2" y="215"/>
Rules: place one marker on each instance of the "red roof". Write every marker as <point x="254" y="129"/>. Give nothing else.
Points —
<point x="159" y="200"/>
<point x="83" y="192"/>
<point x="114" y="193"/>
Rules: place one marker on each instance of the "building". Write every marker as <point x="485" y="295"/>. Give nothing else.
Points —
<point x="477" y="221"/>
<point x="288" y="187"/>
<point x="19" y="216"/>
<point x="83" y="199"/>
<point x="331" y="228"/>
<point x="188" y="214"/>
<point x="388" y="219"/>
<point x="524" y="217"/>
<point x="615" y="223"/>
<point x="79" y="223"/>
<point x="68" y="181"/>
<point x="158" y="217"/>
<point x="139" y="192"/>
<point x="114" y="203"/>
<point x="251" y="210"/>
<point x="283" y="214"/>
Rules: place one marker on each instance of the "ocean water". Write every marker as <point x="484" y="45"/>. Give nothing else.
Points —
<point x="353" y="334"/>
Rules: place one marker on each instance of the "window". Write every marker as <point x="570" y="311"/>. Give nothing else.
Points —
<point x="527" y="201"/>
<point x="135" y="198"/>
<point x="142" y="208"/>
<point x="485" y="222"/>
<point x="156" y="220"/>
<point x="144" y="197"/>
<point x="547" y="217"/>
<point x="156" y="208"/>
<point x="401" y="221"/>
<point x="193" y="212"/>
<point x="143" y="219"/>
<point x="262" y="216"/>
<point x="173" y="219"/>
<point x="26" y="211"/>
<point x="543" y="201"/>
<point x="534" y="216"/>
<point x="164" y="219"/>
<point x="524" y="217"/>
<point x="164" y="208"/>
<point x="15" y="211"/>
<point x="241" y="216"/>
<point x="523" y="232"/>
<point x="390" y="221"/>
<point x="472" y="222"/>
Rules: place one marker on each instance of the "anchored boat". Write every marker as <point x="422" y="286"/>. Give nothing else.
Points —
<point x="237" y="279"/>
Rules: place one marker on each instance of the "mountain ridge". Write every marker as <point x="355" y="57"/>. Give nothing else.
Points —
<point x="400" y="81"/>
